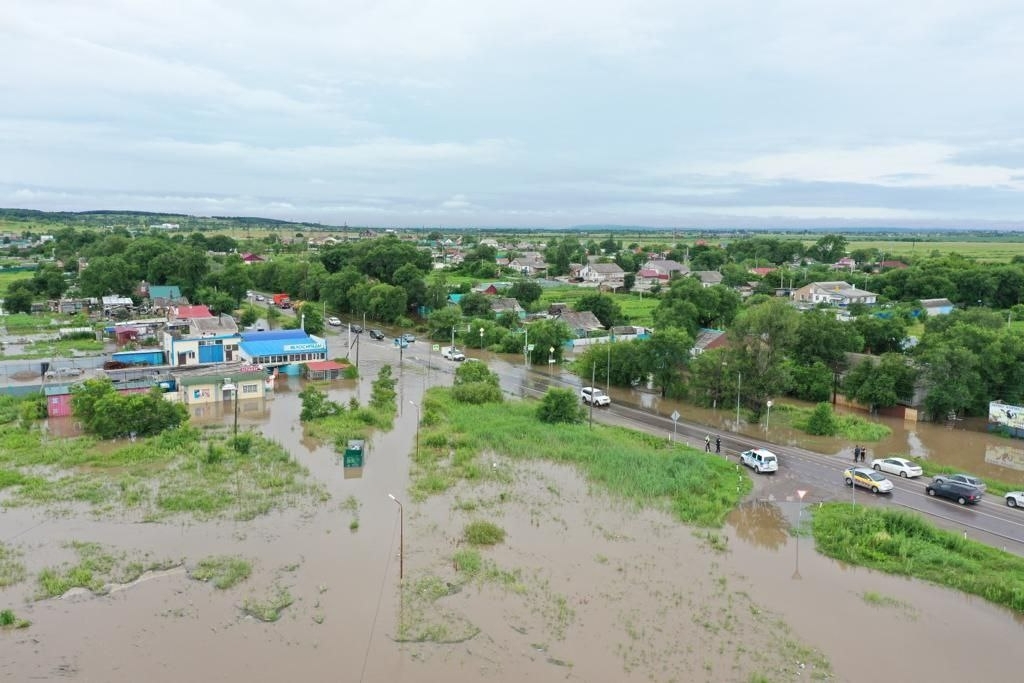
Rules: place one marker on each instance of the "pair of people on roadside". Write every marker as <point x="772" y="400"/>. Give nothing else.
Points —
<point x="859" y="454"/>
<point x="707" y="444"/>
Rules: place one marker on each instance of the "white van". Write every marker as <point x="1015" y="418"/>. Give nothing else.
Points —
<point x="760" y="460"/>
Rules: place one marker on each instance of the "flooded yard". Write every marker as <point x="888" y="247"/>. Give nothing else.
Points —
<point x="583" y="587"/>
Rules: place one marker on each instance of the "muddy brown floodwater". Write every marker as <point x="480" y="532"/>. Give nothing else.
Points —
<point x="584" y="587"/>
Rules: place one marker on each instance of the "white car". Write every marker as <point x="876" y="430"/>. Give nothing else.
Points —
<point x="595" y="396"/>
<point x="1015" y="499"/>
<point x="901" y="466"/>
<point x="760" y="460"/>
<point x="260" y="297"/>
<point x="452" y="353"/>
<point x="334" y="322"/>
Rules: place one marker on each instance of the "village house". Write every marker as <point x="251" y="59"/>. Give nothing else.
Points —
<point x="501" y="305"/>
<point x="836" y="293"/>
<point x="610" y="274"/>
<point x="708" y="339"/>
<point x="580" y="323"/>
<point x="200" y="339"/>
<point x="708" y="278"/>
<point x="530" y="264"/>
<point x="287" y="350"/>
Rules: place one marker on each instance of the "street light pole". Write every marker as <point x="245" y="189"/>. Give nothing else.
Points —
<point x="593" y="368"/>
<point x="481" y="339"/>
<point x="739" y="381"/>
<point x="401" y="537"/>
<point x="414" y="405"/>
<point x="799" y="527"/>
<point x="768" y="418"/>
<point x="551" y="360"/>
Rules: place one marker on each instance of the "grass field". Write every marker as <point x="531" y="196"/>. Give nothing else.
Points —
<point x="7" y="278"/>
<point x="997" y="252"/>
<point x="637" y="310"/>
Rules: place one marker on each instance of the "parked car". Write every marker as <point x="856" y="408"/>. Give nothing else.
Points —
<point x="1015" y="499"/>
<point x="376" y="334"/>
<point x="901" y="466"/>
<point x="334" y="322"/>
<point x="260" y="297"/>
<point x="954" y="490"/>
<point x="867" y="478"/>
<point x="355" y="329"/>
<point x="408" y="337"/>
<point x="595" y="396"/>
<point x="760" y="460"/>
<point x="452" y="353"/>
<point x="961" y="478"/>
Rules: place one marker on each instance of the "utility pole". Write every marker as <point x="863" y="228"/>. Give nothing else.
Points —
<point x="739" y="382"/>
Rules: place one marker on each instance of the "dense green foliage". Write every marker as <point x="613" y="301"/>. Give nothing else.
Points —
<point x="903" y="543"/>
<point x="109" y="414"/>
<point x="475" y="383"/>
<point x="559" y="406"/>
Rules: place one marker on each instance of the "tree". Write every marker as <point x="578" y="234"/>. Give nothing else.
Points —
<point x="759" y="337"/>
<point x="560" y="406"/>
<point x="49" y="282"/>
<point x="881" y="384"/>
<point x="822" y="421"/>
<point x="828" y="249"/>
<point x="665" y="356"/>
<point x="437" y="292"/>
<point x="386" y="302"/>
<point x="410" y="278"/>
<point x="545" y="335"/>
<point x="604" y="308"/>
<point x="475" y="383"/>
<point x="248" y="316"/>
<point x="442" y="321"/>
<point x="475" y="305"/>
<point x="19" y="297"/>
<point x="337" y="288"/>
<point x="108" y="414"/>
<point x="311" y="318"/>
<point x="525" y="292"/>
<point x="108" y="275"/>
<point x="881" y="334"/>
<point x="315" y="404"/>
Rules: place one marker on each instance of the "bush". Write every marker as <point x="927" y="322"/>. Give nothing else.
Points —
<point x="560" y="405"/>
<point x="477" y="393"/>
<point x="483" y="533"/>
<point x="822" y="421"/>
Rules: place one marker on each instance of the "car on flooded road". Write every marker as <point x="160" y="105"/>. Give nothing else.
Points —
<point x="961" y="478"/>
<point x="868" y="479"/>
<point x="901" y="466"/>
<point x="334" y="321"/>
<point x="1015" y="499"/>
<point x="954" y="490"/>
<point x="595" y="397"/>
<point x="376" y="334"/>
<point x="760" y="460"/>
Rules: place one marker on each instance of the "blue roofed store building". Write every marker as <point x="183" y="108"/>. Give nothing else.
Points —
<point x="286" y="350"/>
<point x="197" y="341"/>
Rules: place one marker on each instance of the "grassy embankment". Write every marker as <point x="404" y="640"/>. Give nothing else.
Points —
<point x="698" y="489"/>
<point x="904" y="543"/>
<point x="181" y="471"/>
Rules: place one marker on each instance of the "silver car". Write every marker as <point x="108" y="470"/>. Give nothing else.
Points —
<point x="960" y="478"/>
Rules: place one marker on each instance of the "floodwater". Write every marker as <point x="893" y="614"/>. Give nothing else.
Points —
<point x="601" y="591"/>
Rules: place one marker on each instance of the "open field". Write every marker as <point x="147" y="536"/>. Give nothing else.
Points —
<point x="638" y="311"/>
<point x="7" y="278"/>
<point x="998" y="252"/>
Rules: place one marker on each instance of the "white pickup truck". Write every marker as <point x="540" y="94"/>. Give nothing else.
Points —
<point x="595" y="396"/>
<point x="452" y="353"/>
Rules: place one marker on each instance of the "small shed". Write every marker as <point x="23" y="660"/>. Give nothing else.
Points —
<point x="58" y="400"/>
<point x="325" y="369"/>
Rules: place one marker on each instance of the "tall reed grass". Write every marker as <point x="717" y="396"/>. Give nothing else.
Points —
<point x="898" y="542"/>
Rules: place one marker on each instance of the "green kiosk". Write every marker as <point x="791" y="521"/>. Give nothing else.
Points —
<point x="354" y="454"/>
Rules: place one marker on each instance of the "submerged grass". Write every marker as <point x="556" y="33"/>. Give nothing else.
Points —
<point x="96" y="568"/>
<point x="902" y="543"/>
<point x="12" y="571"/>
<point x="698" y="488"/>
<point x="223" y="571"/>
<point x="179" y="471"/>
<point x="270" y="609"/>
<point x="850" y="427"/>
<point x="9" y="620"/>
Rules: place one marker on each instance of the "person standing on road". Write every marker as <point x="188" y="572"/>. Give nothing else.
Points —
<point x="863" y="454"/>
<point x="707" y="443"/>
<point x="718" y="444"/>
<point x="856" y="454"/>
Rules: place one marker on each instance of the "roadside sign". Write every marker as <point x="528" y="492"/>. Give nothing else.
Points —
<point x="675" y="416"/>
<point x="436" y="347"/>
<point x="530" y="347"/>
<point x="801" y="493"/>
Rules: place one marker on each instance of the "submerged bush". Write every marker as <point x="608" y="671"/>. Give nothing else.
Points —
<point x="483" y="533"/>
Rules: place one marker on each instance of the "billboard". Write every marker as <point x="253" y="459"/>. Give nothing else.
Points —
<point x="1006" y="416"/>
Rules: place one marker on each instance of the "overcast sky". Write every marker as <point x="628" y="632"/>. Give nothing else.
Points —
<point x="524" y="113"/>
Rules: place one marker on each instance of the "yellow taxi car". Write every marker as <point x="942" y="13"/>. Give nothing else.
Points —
<point x="867" y="478"/>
